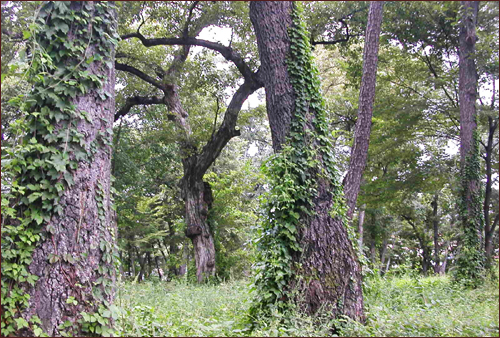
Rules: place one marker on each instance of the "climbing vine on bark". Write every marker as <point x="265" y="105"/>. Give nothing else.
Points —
<point x="471" y="260"/>
<point x="306" y="158"/>
<point x="67" y="42"/>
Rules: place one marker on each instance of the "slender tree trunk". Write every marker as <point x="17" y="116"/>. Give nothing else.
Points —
<point x="470" y="262"/>
<point x="359" y="151"/>
<point x="442" y="268"/>
<point x="435" y="225"/>
<point x="383" y="251"/>
<point x="74" y="243"/>
<point x="132" y="263"/>
<point x="158" y="267"/>
<point x="373" y="251"/>
<point x="361" y="220"/>
<point x="150" y="265"/>
<point x="327" y="261"/>
<point x="142" y="264"/>
<point x="489" y="227"/>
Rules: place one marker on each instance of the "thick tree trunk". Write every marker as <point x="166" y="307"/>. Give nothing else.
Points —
<point x="435" y="226"/>
<point x="328" y="261"/>
<point x="74" y="256"/>
<point x="359" y="151"/>
<point x="74" y="252"/>
<point x="470" y="261"/>
<point x="198" y="197"/>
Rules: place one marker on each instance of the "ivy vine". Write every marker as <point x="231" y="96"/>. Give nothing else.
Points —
<point x="66" y="41"/>
<point x="471" y="260"/>
<point x="293" y="174"/>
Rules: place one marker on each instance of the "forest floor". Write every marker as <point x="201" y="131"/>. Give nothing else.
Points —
<point x="395" y="306"/>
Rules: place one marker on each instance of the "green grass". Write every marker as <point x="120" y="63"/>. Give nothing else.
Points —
<point x="396" y="306"/>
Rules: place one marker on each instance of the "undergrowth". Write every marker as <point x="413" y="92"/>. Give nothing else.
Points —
<point x="395" y="306"/>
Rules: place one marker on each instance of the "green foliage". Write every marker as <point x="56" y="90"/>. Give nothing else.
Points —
<point x="432" y="306"/>
<point x="305" y="159"/>
<point x="471" y="260"/>
<point x="396" y="306"/>
<point x="37" y="167"/>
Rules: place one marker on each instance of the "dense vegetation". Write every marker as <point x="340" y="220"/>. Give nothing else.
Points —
<point x="168" y="169"/>
<point x="404" y="305"/>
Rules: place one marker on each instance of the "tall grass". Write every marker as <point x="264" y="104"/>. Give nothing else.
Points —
<point x="395" y="306"/>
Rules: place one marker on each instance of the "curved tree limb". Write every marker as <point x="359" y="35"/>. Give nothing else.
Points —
<point x="140" y="74"/>
<point x="227" y="52"/>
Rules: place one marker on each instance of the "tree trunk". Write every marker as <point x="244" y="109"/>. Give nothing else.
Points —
<point x="359" y="151"/>
<point x="142" y="264"/>
<point x="361" y="220"/>
<point x="373" y="257"/>
<point x="198" y="197"/>
<point x="470" y="262"/>
<point x="150" y="264"/>
<point x="77" y="245"/>
<point x="435" y="225"/>
<point x="442" y="268"/>
<point x="328" y="264"/>
<point x="488" y="227"/>
<point x="158" y="268"/>
<point x="383" y="252"/>
<point x="131" y="262"/>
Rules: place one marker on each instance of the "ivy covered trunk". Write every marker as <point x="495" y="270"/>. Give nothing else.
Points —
<point x="58" y="239"/>
<point x="305" y="252"/>
<point x="470" y="262"/>
<point x="198" y="199"/>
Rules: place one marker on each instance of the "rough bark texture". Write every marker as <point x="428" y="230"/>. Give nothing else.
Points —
<point x="467" y="80"/>
<point x="467" y="94"/>
<point x="198" y="200"/>
<point x="359" y="151"/>
<point x="361" y="221"/>
<point x="332" y="274"/>
<point x="471" y="261"/>
<point x="79" y="231"/>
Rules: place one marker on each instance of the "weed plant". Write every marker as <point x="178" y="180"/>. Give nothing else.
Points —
<point x="406" y="305"/>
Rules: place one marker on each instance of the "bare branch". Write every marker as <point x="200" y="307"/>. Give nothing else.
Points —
<point x="227" y="52"/>
<point x="139" y="74"/>
<point x="135" y="101"/>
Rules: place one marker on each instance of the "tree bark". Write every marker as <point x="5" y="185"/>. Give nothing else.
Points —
<point x="361" y="220"/>
<point x="359" y="151"/>
<point x="470" y="262"/>
<point x="83" y="227"/>
<point x="383" y="252"/>
<point x="435" y="226"/>
<point x="198" y="201"/>
<point x="489" y="227"/>
<point x="328" y="262"/>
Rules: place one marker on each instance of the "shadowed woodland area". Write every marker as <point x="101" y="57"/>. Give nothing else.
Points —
<point x="230" y="168"/>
